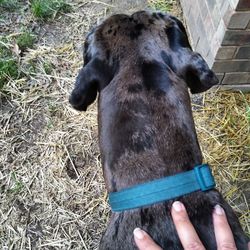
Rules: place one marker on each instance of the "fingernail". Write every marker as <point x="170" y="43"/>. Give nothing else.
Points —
<point x="219" y="210"/>
<point x="138" y="233"/>
<point x="178" y="206"/>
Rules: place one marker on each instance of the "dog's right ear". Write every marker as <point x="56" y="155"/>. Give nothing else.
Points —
<point x="95" y="75"/>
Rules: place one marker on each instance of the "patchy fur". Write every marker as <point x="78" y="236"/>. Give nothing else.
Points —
<point x="142" y="65"/>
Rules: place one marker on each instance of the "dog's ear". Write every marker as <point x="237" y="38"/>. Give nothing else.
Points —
<point x="92" y="77"/>
<point x="197" y="74"/>
<point x="187" y="64"/>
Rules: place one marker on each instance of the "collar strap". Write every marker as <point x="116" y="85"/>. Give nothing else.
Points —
<point x="200" y="178"/>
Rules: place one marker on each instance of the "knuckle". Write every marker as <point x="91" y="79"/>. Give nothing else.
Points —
<point x="194" y="246"/>
<point x="228" y="246"/>
<point x="152" y="247"/>
<point x="182" y="218"/>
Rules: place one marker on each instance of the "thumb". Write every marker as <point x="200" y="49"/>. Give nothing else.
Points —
<point x="144" y="241"/>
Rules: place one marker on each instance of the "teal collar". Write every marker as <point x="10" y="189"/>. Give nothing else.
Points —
<point x="200" y="178"/>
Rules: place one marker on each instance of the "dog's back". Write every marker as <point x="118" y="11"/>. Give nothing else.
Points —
<point x="142" y="67"/>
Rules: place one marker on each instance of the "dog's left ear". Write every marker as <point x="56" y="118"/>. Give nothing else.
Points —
<point x="197" y="74"/>
<point x="186" y="63"/>
<point x="95" y="75"/>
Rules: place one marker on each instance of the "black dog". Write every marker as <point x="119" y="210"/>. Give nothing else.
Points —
<point x="142" y="66"/>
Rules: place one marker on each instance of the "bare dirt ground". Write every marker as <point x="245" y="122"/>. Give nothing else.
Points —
<point x="52" y="190"/>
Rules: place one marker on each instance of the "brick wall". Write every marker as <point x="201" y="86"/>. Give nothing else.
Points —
<point x="220" y="31"/>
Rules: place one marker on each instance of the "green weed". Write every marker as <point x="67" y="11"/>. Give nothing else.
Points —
<point x="48" y="67"/>
<point x="9" y="5"/>
<point x="50" y="124"/>
<point x="25" y="40"/>
<point x="8" y="65"/>
<point x="18" y="185"/>
<point x="8" y="69"/>
<point x="53" y="108"/>
<point x="31" y="69"/>
<point x="247" y="107"/>
<point x="4" y="49"/>
<point x="248" y="113"/>
<point x="161" y="5"/>
<point x="46" y="9"/>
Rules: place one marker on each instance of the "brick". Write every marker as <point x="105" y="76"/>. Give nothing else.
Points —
<point x="233" y="3"/>
<point x="237" y="78"/>
<point x="194" y="34"/>
<point x="202" y="45"/>
<point x="239" y="20"/>
<point x="243" y="88"/>
<point x="209" y="27"/>
<point x="226" y="52"/>
<point x="184" y="6"/>
<point x="243" y="53"/>
<point x="200" y="26"/>
<point x="220" y="32"/>
<point x="209" y="59"/>
<point x="187" y="6"/>
<point x="192" y="5"/>
<point x="231" y="66"/>
<point x="235" y="37"/>
<point x="189" y="10"/>
<point x="193" y="42"/>
<point x="243" y="5"/>
<point x="203" y="8"/>
<point x="211" y="4"/>
<point x="214" y="45"/>
<point x="225" y="6"/>
<point x="220" y="3"/>
<point x="191" y="38"/>
<point x="222" y="36"/>
<point x="226" y="12"/>
<point x="195" y="10"/>
<point x="216" y="17"/>
<point x="248" y="26"/>
<point x="220" y="77"/>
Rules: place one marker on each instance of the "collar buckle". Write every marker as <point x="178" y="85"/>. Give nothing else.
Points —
<point x="204" y="177"/>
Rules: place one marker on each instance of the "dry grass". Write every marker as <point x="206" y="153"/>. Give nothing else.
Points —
<point x="223" y="124"/>
<point x="52" y="190"/>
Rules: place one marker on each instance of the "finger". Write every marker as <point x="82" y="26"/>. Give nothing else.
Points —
<point x="143" y="240"/>
<point x="186" y="232"/>
<point x="223" y="233"/>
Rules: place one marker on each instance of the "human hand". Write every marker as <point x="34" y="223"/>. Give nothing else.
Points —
<point x="187" y="233"/>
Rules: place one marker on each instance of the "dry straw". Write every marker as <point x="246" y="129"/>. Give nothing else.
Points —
<point x="223" y="126"/>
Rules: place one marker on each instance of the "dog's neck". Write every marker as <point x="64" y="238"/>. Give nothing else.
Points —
<point x="144" y="136"/>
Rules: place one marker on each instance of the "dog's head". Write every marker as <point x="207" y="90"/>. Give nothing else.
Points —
<point x="143" y="37"/>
